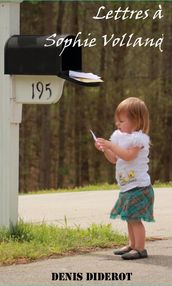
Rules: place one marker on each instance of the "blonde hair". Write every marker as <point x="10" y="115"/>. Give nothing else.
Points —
<point x="136" y="111"/>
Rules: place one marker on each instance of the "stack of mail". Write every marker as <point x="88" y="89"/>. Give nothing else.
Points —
<point x="85" y="77"/>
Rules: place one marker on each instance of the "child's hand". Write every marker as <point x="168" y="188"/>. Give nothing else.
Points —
<point x="98" y="146"/>
<point x="105" y="144"/>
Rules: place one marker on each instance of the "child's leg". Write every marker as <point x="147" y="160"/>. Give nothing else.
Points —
<point x="131" y="242"/>
<point x="138" y="230"/>
<point x="139" y="250"/>
<point x="131" y="235"/>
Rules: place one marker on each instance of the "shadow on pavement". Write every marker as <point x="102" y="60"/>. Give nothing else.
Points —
<point x="160" y="260"/>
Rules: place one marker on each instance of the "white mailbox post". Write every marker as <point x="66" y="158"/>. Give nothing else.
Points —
<point x="10" y="117"/>
<point x="30" y="73"/>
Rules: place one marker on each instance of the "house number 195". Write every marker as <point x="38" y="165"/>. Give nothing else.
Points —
<point x="40" y="90"/>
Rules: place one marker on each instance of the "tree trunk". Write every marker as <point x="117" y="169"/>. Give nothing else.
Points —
<point x="61" y="106"/>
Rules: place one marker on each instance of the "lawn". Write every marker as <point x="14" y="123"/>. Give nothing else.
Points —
<point x="27" y="242"/>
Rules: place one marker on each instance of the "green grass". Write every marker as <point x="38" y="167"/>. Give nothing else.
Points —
<point x="27" y="242"/>
<point x="98" y="187"/>
<point x="159" y="184"/>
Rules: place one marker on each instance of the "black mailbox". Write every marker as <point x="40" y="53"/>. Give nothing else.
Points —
<point x="43" y="55"/>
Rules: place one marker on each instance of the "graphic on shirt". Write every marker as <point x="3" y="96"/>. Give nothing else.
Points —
<point x="128" y="178"/>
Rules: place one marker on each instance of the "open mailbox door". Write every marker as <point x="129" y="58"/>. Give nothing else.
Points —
<point x="35" y="55"/>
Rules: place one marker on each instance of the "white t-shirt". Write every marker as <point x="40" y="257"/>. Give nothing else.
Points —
<point x="134" y="173"/>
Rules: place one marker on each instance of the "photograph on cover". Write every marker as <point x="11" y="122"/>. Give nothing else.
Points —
<point x="85" y="142"/>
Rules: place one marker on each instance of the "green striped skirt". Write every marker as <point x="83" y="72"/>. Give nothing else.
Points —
<point x="135" y="205"/>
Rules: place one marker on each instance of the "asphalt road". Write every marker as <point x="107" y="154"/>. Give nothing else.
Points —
<point x="84" y="208"/>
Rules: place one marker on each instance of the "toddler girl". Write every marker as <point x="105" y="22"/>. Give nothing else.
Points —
<point x="129" y="149"/>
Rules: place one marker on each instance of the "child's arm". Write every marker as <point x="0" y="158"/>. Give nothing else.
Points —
<point x="110" y="156"/>
<point x="125" y="154"/>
